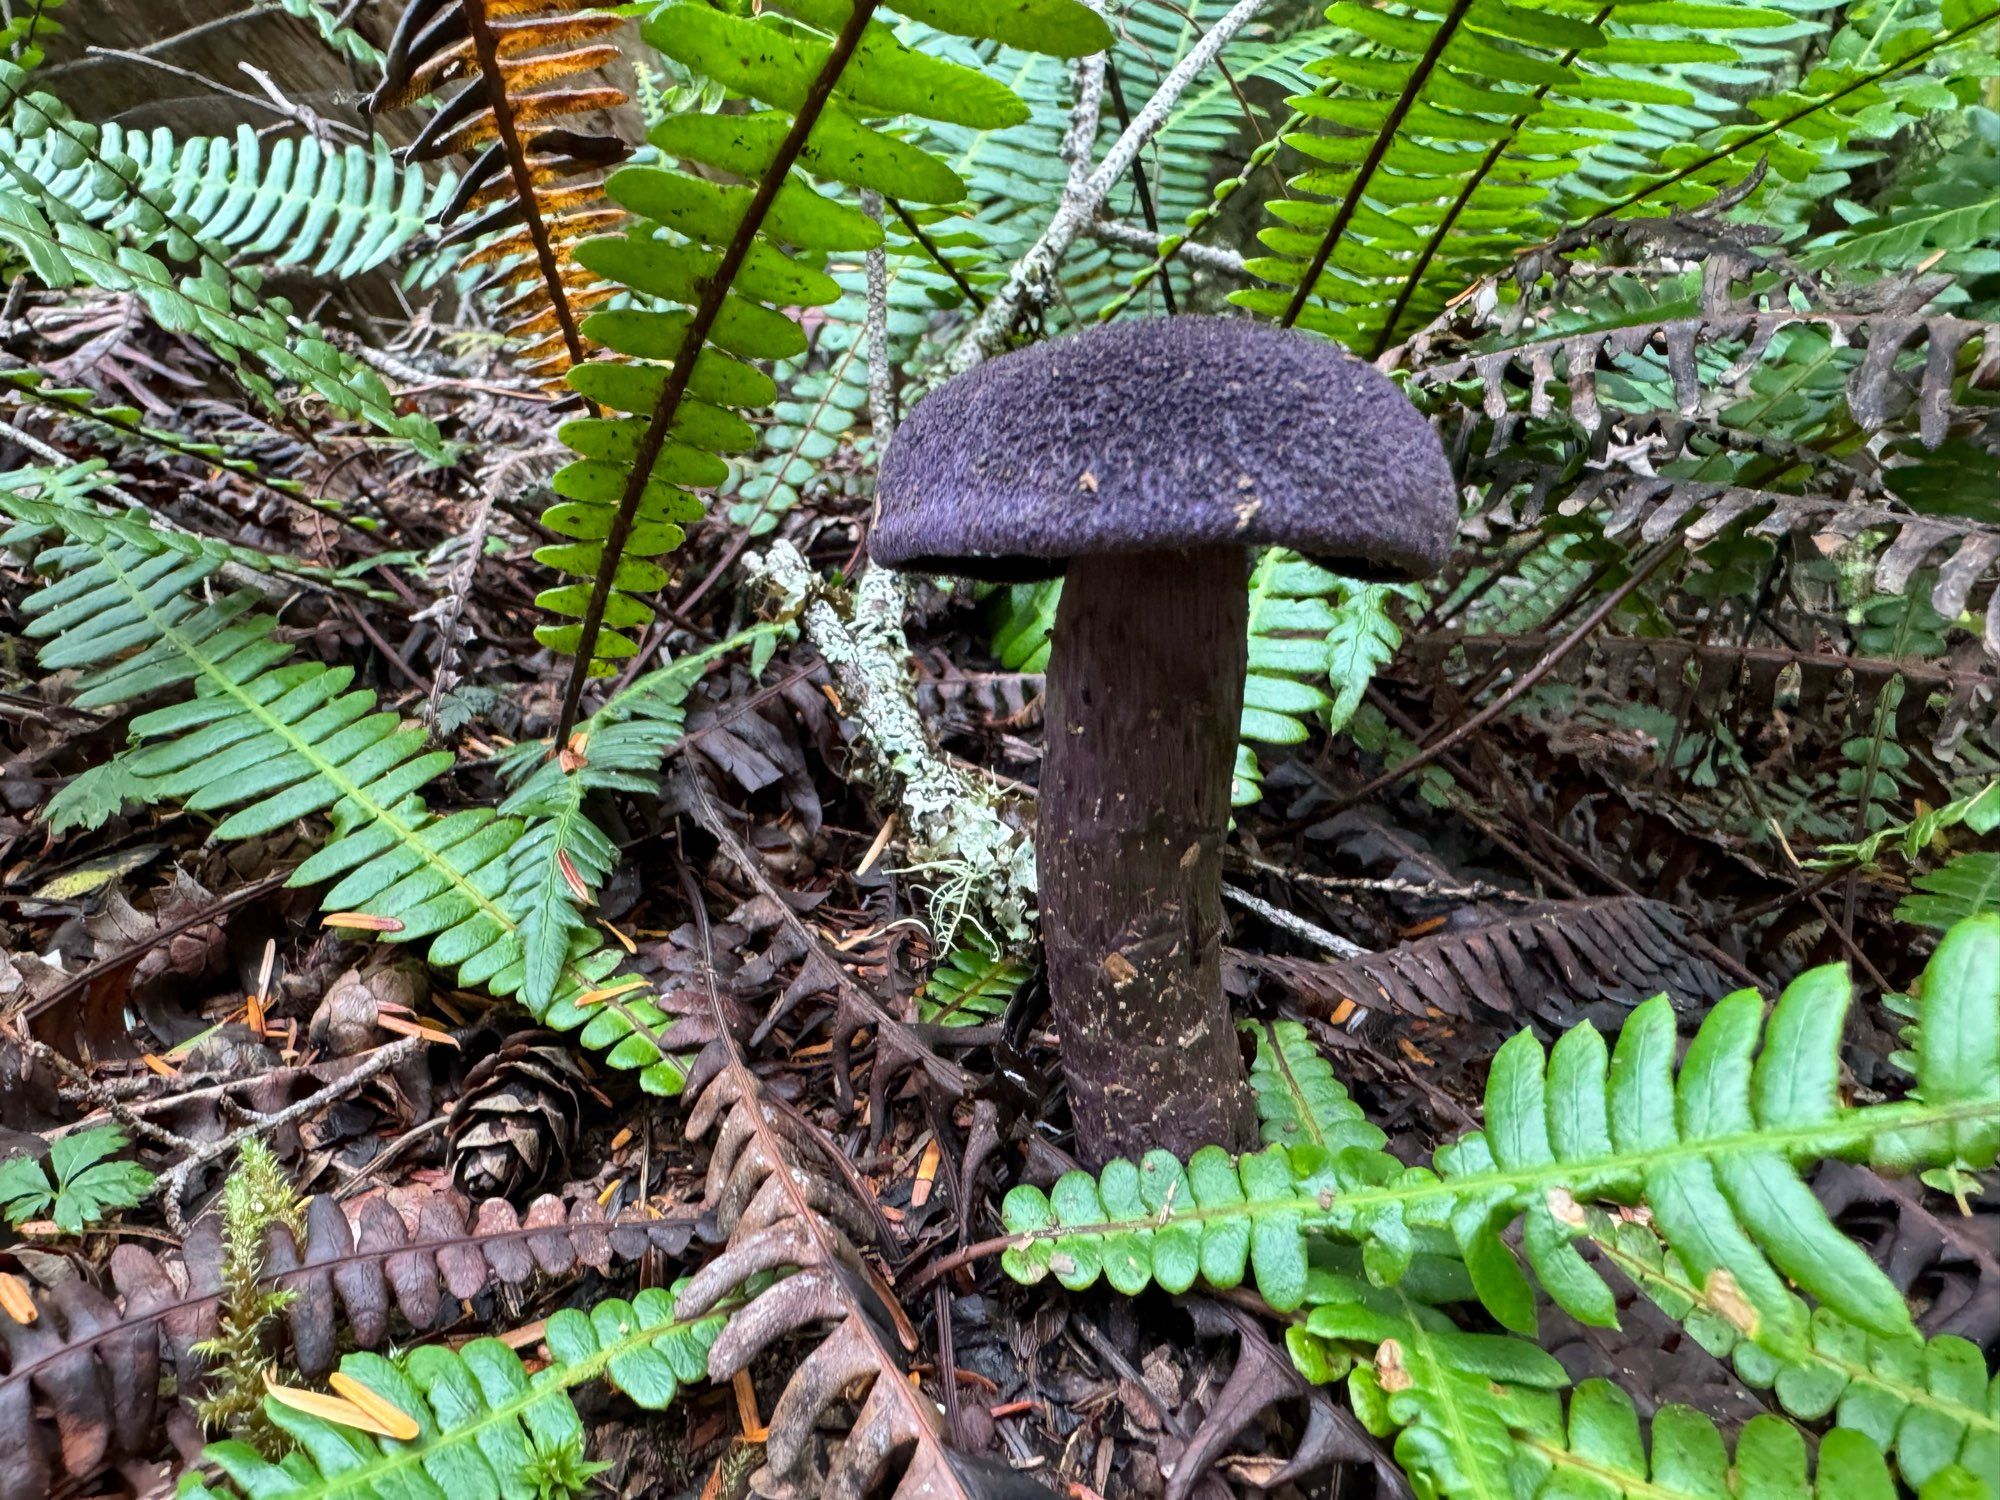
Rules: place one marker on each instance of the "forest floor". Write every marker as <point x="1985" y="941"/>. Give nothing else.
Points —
<point x="175" y="986"/>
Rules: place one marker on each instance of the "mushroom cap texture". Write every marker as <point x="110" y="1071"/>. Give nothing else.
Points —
<point x="1165" y="433"/>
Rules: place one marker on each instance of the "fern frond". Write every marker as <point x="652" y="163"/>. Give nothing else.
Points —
<point x="1979" y="812"/>
<point x="327" y="20"/>
<point x="1836" y="101"/>
<point x="1949" y="203"/>
<point x="1925" y="1403"/>
<point x="971" y="984"/>
<point x="1299" y="1101"/>
<point x="253" y="333"/>
<point x="748" y="250"/>
<point x="562" y="858"/>
<point x="1470" y="1438"/>
<point x="535" y="187"/>
<point x="276" y="740"/>
<point x="1308" y="626"/>
<point x="1463" y="140"/>
<point x="784" y="1196"/>
<point x="1962" y="887"/>
<point x="22" y="35"/>
<point x="1713" y="1151"/>
<point x="1648" y="508"/>
<point x="484" y="1424"/>
<point x="1875" y="390"/>
<point x="1455" y="127"/>
<point x="301" y="204"/>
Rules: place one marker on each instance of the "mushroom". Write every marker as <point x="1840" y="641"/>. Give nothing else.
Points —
<point x="1146" y="459"/>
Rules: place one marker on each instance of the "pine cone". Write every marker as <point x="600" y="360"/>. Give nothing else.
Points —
<point x="516" y="1120"/>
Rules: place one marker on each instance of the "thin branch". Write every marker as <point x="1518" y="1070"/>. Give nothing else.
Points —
<point x="1131" y="237"/>
<point x="1140" y="187"/>
<point x="875" y="332"/>
<point x="1033" y="280"/>
<point x="173" y="1185"/>
<point x="255" y="101"/>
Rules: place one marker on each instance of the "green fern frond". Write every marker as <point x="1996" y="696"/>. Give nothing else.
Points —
<point x="1926" y="1403"/>
<point x="268" y="741"/>
<point x="344" y="39"/>
<point x="1870" y="87"/>
<point x="485" y="1425"/>
<point x="297" y="203"/>
<point x="1962" y="887"/>
<point x="1472" y="1440"/>
<point x="1713" y="1150"/>
<point x="748" y="248"/>
<point x="1454" y="137"/>
<point x="22" y="34"/>
<point x="1307" y="627"/>
<point x="252" y="332"/>
<point x="1299" y="1101"/>
<point x="1948" y="203"/>
<point x="972" y="983"/>
<point x="1478" y="1416"/>
<point x="562" y="858"/>
<point x="1978" y="812"/>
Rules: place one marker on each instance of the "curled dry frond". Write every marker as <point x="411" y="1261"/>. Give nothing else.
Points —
<point x="785" y="1196"/>
<point x="1548" y="960"/>
<point x="536" y="184"/>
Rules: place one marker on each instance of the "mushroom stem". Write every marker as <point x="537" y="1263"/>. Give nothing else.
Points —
<point x="1145" y="697"/>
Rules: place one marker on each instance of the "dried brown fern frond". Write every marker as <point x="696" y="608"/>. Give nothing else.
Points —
<point x="535" y="188"/>
<point x="787" y="1197"/>
<point x="1963" y="549"/>
<point x="1550" y="959"/>
<point x="1886" y="386"/>
<point x="82" y="1383"/>
<point x="901" y="1047"/>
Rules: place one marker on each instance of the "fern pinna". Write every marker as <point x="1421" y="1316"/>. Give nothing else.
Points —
<point x="268" y="739"/>
<point x="327" y="212"/>
<point x="1711" y="1150"/>
<point x="719" y="244"/>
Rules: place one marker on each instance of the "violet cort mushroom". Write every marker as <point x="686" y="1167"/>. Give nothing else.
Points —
<point x="1145" y="460"/>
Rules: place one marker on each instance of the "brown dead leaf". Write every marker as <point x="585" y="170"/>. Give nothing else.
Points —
<point x="339" y="1410"/>
<point x="395" y="1422"/>
<point x="14" y="1299"/>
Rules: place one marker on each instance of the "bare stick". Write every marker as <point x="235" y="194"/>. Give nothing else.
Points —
<point x="174" y="1184"/>
<point x="1033" y="281"/>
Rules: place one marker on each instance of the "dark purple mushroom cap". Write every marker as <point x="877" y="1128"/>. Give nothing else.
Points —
<point x="1165" y="433"/>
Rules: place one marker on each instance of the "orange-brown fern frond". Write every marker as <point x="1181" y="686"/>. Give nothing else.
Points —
<point x="536" y="183"/>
